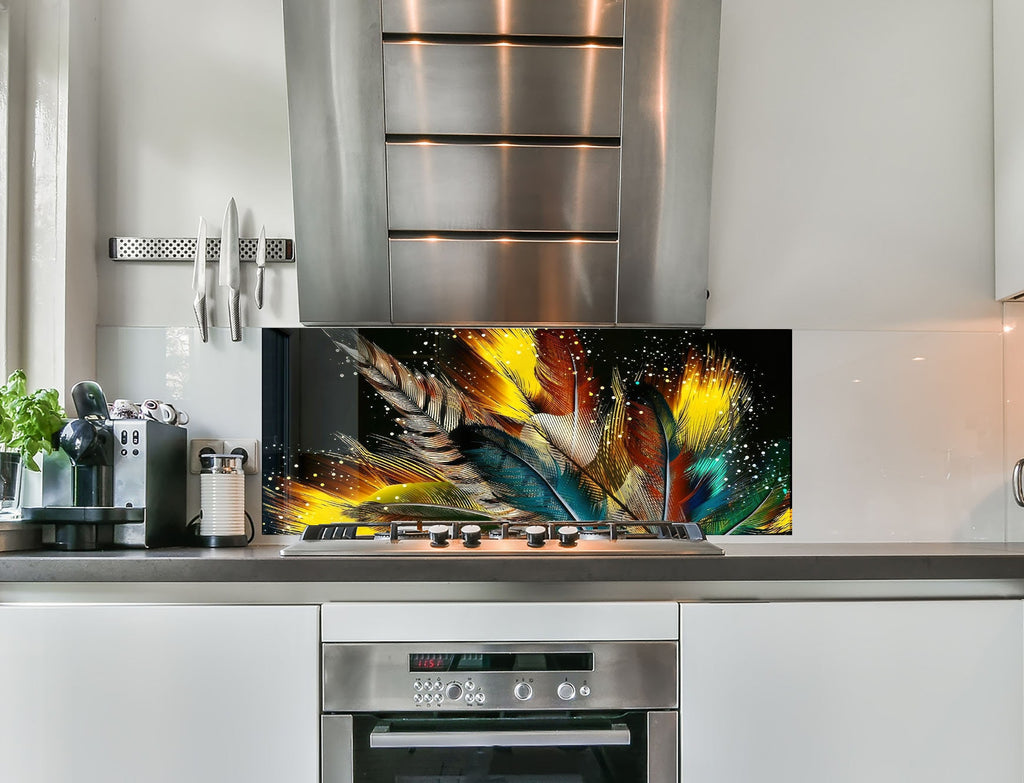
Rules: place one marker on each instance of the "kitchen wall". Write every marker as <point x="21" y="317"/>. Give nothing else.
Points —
<point x="852" y="203"/>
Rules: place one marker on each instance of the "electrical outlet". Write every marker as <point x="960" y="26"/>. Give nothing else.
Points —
<point x="251" y="463"/>
<point x="197" y="446"/>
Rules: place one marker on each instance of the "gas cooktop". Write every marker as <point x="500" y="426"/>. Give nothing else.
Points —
<point x="455" y="538"/>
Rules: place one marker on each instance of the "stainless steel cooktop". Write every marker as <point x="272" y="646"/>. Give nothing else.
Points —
<point x="470" y="539"/>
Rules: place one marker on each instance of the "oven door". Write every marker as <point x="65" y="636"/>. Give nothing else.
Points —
<point x="630" y="747"/>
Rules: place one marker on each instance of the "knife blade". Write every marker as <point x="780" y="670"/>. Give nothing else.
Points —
<point x="199" y="282"/>
<point x="229" y="273"/>
<point x="261" y="262"/>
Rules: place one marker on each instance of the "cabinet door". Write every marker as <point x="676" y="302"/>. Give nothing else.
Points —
<point x="1008" y="132"/>
<point x="159" y="694"/>
<point x="857" y="692"/>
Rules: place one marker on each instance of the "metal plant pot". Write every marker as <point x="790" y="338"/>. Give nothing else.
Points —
<point x="11" y="469"/>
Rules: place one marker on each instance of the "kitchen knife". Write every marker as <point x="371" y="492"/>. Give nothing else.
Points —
<point x="199" y="282"/>
<point x="229" y="274"/>
<point x="261" y="262"/>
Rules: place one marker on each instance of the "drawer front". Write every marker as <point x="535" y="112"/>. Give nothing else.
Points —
<point x="494" y="281"/>
<point x="502" y="187"/>
<point x="594" y="18"/>
<point x="502" y="89"/>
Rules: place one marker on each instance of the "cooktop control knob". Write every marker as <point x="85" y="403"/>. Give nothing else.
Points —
<point x="566" y="691"/>
<point x="568" y="535"/>
<point x="453" y="692"/>
<point x="471" y="535"/>
<point x="535" y="535"/>
<point x="438" y="535"/>
<point x="522" y="691"/>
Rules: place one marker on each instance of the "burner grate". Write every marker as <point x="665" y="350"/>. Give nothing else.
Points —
<point x="599" y="530"/>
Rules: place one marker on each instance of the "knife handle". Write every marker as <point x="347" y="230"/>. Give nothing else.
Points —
<point x="258" y="295"/>
<point x="234" y="317"/>
<point x="199" y="306"/>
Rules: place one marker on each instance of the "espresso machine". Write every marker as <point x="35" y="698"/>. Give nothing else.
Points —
<point x="117" y="482"/>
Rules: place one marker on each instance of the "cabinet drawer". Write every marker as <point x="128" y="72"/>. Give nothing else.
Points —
<point x="502" y="89"/>
<point x="502" y="187"/>
<point x="502" y="281"/>
<point x="595" y="18"/>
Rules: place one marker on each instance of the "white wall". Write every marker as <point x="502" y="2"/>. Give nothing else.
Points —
<point x="193" y="111"/>
<point x="852" y="203"/>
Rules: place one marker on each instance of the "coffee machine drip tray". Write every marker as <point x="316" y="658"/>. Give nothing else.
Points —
<point x="83" y="528"/>
<point x="86" y="515"/>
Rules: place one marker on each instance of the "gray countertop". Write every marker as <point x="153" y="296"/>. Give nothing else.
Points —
<point x="754" y="561"/>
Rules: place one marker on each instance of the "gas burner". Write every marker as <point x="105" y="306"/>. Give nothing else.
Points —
<point x="503" y="539"/>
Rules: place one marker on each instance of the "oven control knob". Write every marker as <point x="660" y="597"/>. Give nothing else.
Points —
<point x="566" y="691"/>
<point x="470" y="685"/>
<point x="535" y="535"/>
<point x="584" y="690"/>
<point x="453" y="692"/>
<point x="568" y="535"/>
<point x="471" y="535"/>
<point x="438" y="535"/>
<point x="523" y="691"/>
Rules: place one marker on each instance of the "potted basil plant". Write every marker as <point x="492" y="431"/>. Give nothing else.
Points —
<point x="28" y="423"/>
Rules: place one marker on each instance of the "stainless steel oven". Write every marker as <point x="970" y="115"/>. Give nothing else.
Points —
<point x="524" y="712"/>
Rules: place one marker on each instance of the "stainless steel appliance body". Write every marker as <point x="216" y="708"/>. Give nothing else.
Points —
<point x="572" y="712"/>
<point x="502" y="161"/>
<point x="457" y="539"/>
<point x="146" y="486"/>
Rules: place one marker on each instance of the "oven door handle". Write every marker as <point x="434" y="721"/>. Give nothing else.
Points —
<point x="383" y="737"/>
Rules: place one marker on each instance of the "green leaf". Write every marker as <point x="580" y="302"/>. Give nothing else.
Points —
<point x="28" y="422"/>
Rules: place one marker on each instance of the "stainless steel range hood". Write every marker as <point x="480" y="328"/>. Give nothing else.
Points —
<point x="502" y="161"/>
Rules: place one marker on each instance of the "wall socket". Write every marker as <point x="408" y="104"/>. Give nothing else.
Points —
<point x="250" y="446"/>
<point x="198" y="445"/>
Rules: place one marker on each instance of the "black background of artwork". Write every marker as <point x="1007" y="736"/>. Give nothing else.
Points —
<point x="311" y="390"/>
<point x="763" y="356"/>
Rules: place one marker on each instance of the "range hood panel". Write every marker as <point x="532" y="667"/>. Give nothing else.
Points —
<point x="502" y="188"/>
<point x="523" y="281"/>
<point x="579" y="131"/>
<point x="591" y="18"/>
<point x="336" y="127"/>
<point x="459" y="89"/>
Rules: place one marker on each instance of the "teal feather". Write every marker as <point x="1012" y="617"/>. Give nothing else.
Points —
<point x="525" y="477"/>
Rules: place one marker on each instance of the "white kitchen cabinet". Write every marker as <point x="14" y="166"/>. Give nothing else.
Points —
<point x="159" y="694"/>
<point x="857" y="692"/>
<point x="1008" y="134"/>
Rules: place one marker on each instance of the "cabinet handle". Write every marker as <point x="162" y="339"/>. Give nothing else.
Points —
<point x="1018" y="487"/>
<point x="383" y="737"/>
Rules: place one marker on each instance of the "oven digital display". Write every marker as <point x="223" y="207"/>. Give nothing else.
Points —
<point x="502" y="662"/>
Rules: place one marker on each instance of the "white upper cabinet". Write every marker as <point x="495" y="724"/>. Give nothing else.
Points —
<point x="1008" y="118"/>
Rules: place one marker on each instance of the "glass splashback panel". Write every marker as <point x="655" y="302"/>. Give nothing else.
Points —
<point x="499" y="425"/>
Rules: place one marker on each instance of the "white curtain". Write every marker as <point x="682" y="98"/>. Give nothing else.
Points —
<point x="48" y="151"/>
<point x="7" y="330"/>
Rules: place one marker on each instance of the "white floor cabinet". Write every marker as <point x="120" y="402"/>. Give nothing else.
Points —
<point x="852" y="692"/>
<point x="159" y="694"/>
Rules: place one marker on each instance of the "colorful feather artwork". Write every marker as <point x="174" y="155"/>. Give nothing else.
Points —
<point x="528" y="425"/>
